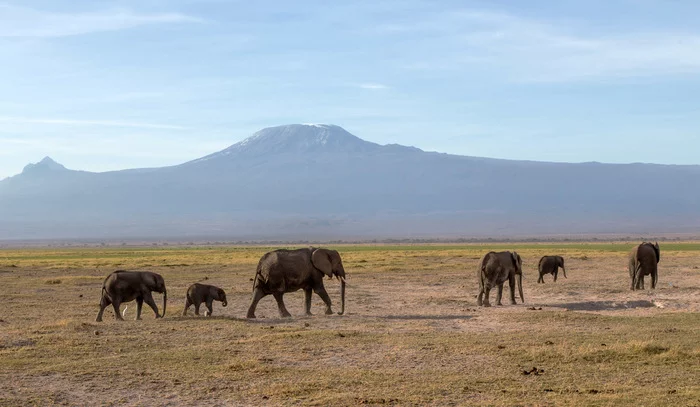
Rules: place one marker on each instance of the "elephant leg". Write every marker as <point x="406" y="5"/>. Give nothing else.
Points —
<point x="556" y="272"/>
<point x="188" y="303"/>
<point x="487" y="291"/>
<point x="148" y="298"/>
<point x="480" y="298"/>
<point x="511" y="285"/>
<point x="209" y="307"/>
<point x="307" y="300"/>
<point x="640" y="280"/>
<point x="324" y="296"/>
<point x="116" y="304"/>
<point x="257" y="295"/>
<point x="139" y="306"/>
<point x="197" y="303"/>
<point x="499" y="294"/>
<point x="541" y="279"/>
<point x="104" y="303"/>
<point x="654" y="277"/>
<point x="280" y="305"/>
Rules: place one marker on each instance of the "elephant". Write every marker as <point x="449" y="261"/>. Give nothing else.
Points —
<point x="124" y="286"/>
<point x="203" y="293"/>
<point x="550" y="265"/>
<point x="494" y="269"/>
<point x="283" y="271"/>
<point x="643" y="261"/>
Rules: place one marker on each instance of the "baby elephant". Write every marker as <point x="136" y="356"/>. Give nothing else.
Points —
<point x="550" y="265"/>
<point x="203" y="293"/>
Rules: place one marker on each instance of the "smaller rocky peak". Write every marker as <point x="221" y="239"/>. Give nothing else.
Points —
<point x="46" y="165"/>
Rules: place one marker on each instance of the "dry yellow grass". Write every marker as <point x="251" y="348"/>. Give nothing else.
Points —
<point x="412" y="334"/>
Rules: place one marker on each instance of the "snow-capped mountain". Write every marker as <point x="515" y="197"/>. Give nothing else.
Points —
<point x="308" y="181"/>
<point x="297" y="139"/>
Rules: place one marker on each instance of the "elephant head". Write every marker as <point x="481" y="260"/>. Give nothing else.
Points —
<point x="656" y="250"/>
<point x="560" y="261"/>
<point x="518" y="263"/>
<point x="156" y="283"/>
<point x="329" y="263"/>
<point x="222" y="297"/>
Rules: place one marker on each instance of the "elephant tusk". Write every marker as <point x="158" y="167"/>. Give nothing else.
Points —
<point x="342" y="279"/>
<point x="124" y="312"/>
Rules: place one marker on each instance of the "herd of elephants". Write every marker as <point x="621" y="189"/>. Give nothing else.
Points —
<point x="283" y="271"/>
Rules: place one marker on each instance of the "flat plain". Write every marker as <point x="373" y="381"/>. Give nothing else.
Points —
<point x="412" y="333"/>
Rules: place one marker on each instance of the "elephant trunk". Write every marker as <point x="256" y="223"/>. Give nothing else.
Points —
<point x="224" y="303"/>
<point x="520" y="287"/>
<point x="563" y="269"/>
<point x="165" y="302"/>
<point x="342" y="296"/>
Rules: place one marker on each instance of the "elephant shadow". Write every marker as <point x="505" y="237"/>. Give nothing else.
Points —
<point x="604" y="305"/>
<point x="202" y="318"/>
<point x="427" y="317"/>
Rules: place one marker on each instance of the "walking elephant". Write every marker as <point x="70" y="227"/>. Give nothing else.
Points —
<point x="495" y="269"/>
<point x="204" y="293"/>
<point x="124" y="286"/>
<point x="643" y="261"/>
<point x="550" y="265"/>
<point x="283" y="271"/>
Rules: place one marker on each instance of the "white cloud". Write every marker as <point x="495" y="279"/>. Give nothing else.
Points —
<point x="528" y="50"/>
<point x="107" y="123"/>
<point x="30" y="23"/>
<point x="372" y="86"/>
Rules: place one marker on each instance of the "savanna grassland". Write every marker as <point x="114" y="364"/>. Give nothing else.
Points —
<point x="412" y="334"/>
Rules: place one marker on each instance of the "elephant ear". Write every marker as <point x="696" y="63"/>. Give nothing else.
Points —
<point x="517" y="261"/>
<point x="322" y="261"/>
<point x="656" y="250"/>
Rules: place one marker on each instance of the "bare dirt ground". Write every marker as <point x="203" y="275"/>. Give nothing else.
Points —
<point x="412" y="333"/>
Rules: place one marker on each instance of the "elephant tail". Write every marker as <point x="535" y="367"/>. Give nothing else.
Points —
<point x="636" y="271"/>
<point x="482" y="270"/>
<point x="258" y="274"/>
<point x="104" y="293"/>
<point x="638" y="268"/>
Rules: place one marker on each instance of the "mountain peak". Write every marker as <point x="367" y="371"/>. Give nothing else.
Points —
<point x="47" y="164"/>
<point x="297" y="139"/>
<point x="302" y="138"/>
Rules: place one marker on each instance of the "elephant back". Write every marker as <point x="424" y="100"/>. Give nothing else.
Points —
<point x="647" y="252"/>
<point x="275" y="267"/>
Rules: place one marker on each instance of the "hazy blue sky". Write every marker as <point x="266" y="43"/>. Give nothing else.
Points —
<point x="102" y="85"/>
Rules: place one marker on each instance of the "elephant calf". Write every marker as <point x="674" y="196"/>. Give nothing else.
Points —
<point x="550" y="265"/>
<point x="124" y="286"/>
<point x="203" y="293"/>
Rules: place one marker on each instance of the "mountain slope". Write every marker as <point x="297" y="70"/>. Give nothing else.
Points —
<point x="300" y="181"/>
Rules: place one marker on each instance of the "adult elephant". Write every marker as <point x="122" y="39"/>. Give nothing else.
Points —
<point x="550" y="265"/>
<point x="124" y="286"/>
<point x="283" y="271"/>
<point x="643" y="261"/>
<point x="494" y="270"/>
